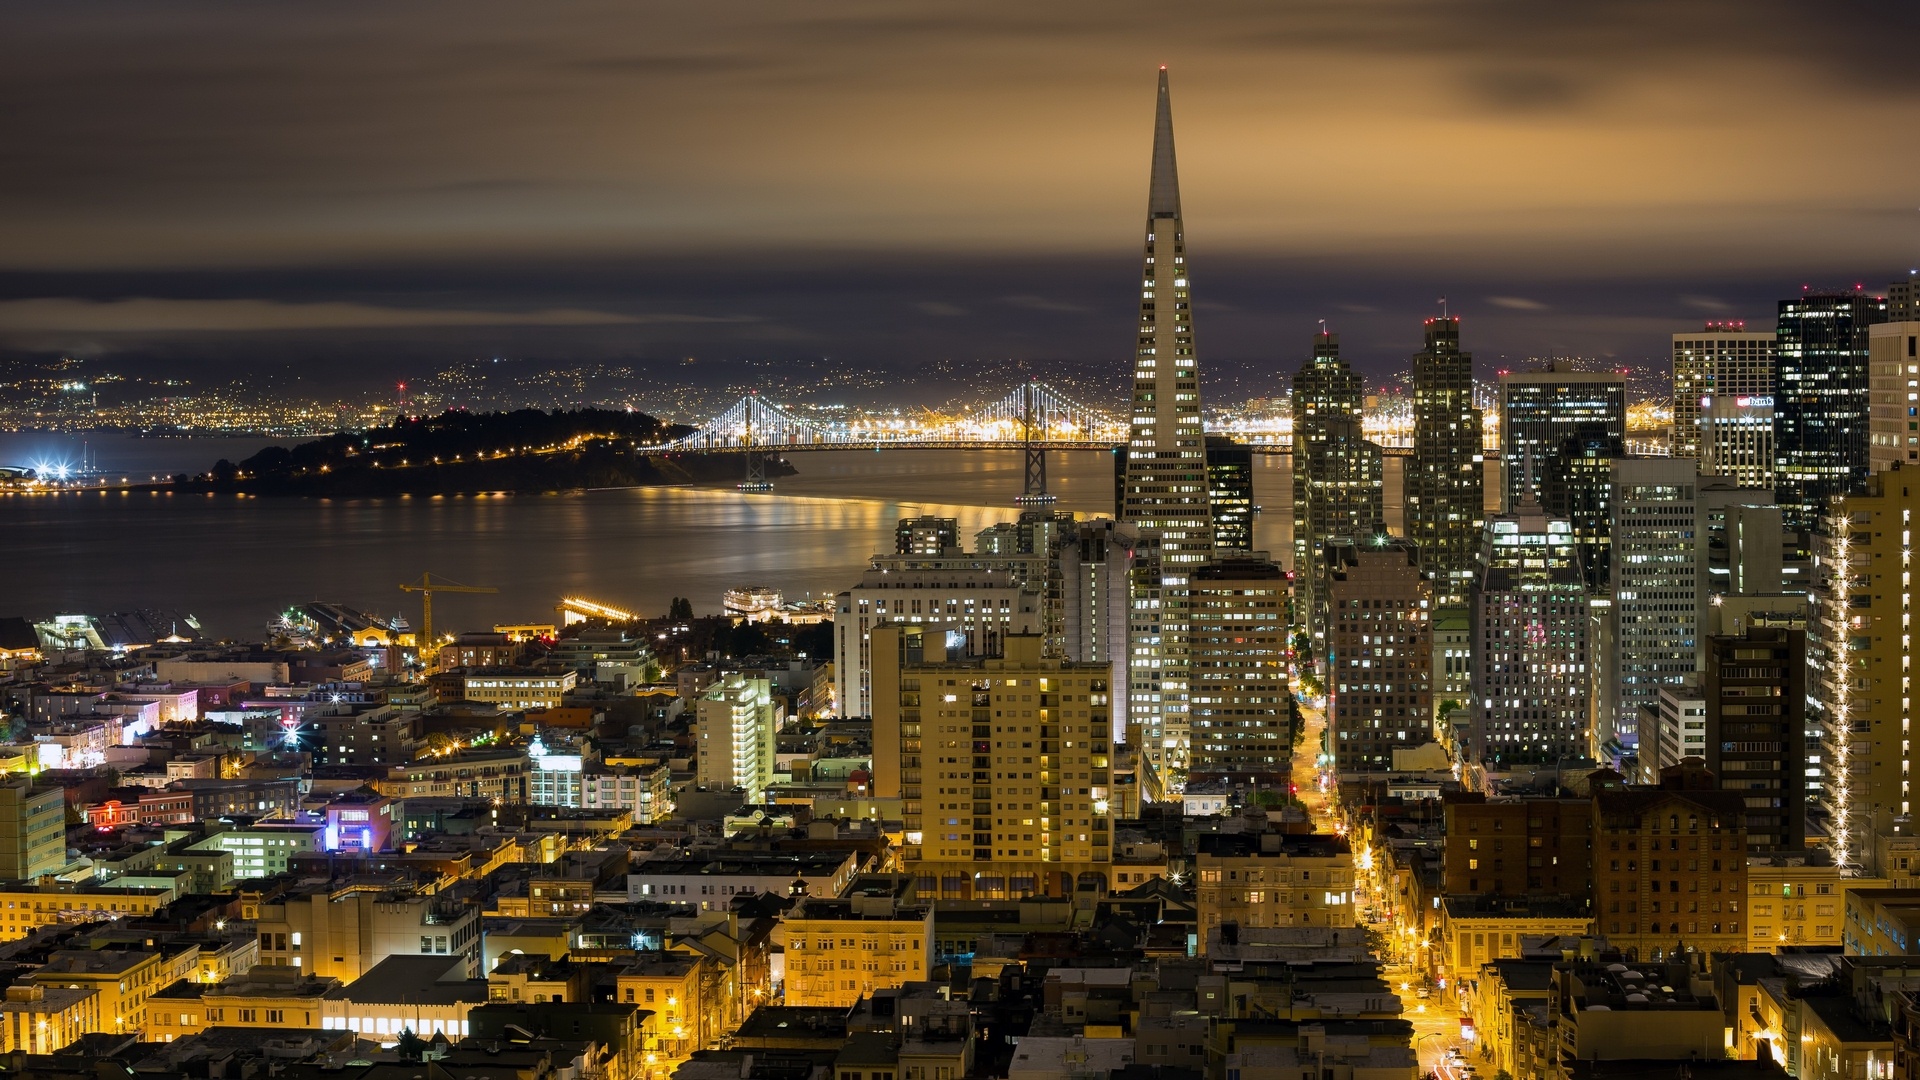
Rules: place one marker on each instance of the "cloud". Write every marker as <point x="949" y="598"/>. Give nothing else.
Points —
<point x="1357" y="309"/>
<point x="153" y="315"/>
<point x="1516" y="303"/>
<point x="939" y="308"/>
<point x="1706" y="303"/>
<point x="1041" y="303"/>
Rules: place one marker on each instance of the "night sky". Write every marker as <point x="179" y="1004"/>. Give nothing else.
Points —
<point x="374" y="188"/>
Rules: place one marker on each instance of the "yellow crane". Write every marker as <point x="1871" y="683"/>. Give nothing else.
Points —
<point x="426" y="587"/>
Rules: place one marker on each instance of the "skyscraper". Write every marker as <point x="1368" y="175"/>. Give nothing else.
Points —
<point x="1893" y="356"/>
<point x="1656" y="594"/>
<point x="1722" y="360"/>
<point x="1540" y="410"/>
<point x="1576" y="483"/>
<point x="1240" y="711"/>
<point x="1531" y="640"/>
<point x="1445" y="503"/>
<point x="1166" y="477"/>
<point x="1380" y="654"/>
<point x="1820" y="414"/>
<point x="1230" y="488"/>
<point x="1167" y="452"/>
<point x="1337" y="474"/>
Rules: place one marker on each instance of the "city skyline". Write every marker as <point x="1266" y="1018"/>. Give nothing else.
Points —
<point x="847" y="185"/>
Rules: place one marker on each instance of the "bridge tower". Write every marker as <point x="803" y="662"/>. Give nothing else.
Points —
<point x="756" y="453"/>
<point x="1033" y="437"/>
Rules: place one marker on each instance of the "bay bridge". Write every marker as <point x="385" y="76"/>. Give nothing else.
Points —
<point x="1033" y="417"/>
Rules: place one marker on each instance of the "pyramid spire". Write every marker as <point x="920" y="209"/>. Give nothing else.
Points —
<point x="1163" y="199"/>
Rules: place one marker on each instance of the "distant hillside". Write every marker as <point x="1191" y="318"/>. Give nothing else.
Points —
<point x="461" y="452"/>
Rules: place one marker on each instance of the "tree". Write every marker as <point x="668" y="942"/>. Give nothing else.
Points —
<point x="412" y="1047"/>
<point x="1447" y="709"/>
<point x="680" y="608"/>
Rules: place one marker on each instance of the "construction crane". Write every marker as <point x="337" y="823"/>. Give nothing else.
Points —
<point x="426" y="587"/>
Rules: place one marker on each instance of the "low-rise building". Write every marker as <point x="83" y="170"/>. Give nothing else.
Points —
<point x="1274" y="879"/>
<point x="839" y="950"/>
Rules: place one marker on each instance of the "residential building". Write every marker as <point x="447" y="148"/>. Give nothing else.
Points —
<point x="1239" y="708"/>
<point x="474" y="774"/>
<point x="1797" y="898"/>
<point x="341" y="930"/>
<point x="1754" y="691"/>
<point x="1648" y="1012"/>
<point x="266" y="849"/>
<point x="1337" y="473"/>
<point x="1379" y="653"/>
<point x="1478" y="930"/>
<point x="1530" y="638"/>
<point x="1673" y="729"/>
<point x="1004" y="765"/>
<point x="734" y="730"/>
<point x="1670" y="867"/>
<point x="42" y="1019"/>
<point x="1893" y="361"/>
<point x="1269" y="879"/>
<point x="518" y="689"/>
<point x="1094" y="562"/>
<point x="25" y="906"/>
<point x="1820" y="400"/>
<point x="1721" y="362"/>
<point x="840" y="950"/>
<point x="1534" y="846"/>
<point x="926" y="535"/>
<point x="1446" y="508"/>
<point x="1541" y="410"/>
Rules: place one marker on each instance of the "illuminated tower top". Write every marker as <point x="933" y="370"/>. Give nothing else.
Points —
<point x="1166" y="479"/>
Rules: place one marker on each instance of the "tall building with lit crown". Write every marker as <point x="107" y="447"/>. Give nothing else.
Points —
<point x="1820" y="399"/>
<point x="1531" y="639"/>
<point x="1446" y="506"/>
<point x="1893" y="361"/>
<point x="1338" y="487"/>
<point x="1165" y="484"/>
<point x="1240" y="710"/>
<point x="1004" y="765"/>
<point x="1721" y="360"/>
<point x="1379" y="654"/>
<point x="1861" y="656"/>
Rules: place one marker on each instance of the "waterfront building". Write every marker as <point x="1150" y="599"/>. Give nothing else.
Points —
<point x="1240" y="710"/>
<point x="1656" y="594"/>
<point x="1004" y="765"/>
<point x="1531" y="638"/>
<point x="1893" y="361"/>
<point x="1379" y="654"/>
<point x="1230" y="490"/>
<point x="1541" y="410"/>
<point x="735" y="726"/>
<point x="1337" y="474"/>
<point x="1820" y="399"/>
<point x="1721" y="361"/>
<point x="1166" y="485"/>
<point x="1446" y="506"/>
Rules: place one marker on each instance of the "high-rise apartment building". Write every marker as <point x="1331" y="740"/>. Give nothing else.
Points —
<point x="1446" y="506"/>
<point x="1820" y="399"/>
<point x="1337" y="474"/>
<point x="926" y="535"/>
<point x="1094" y="561"/>
<point x="1166" y="484"/>
<point x="1541" y="410"/>
<point x="976" y="600"/>
<point x="1656" y="594"/>
<point x="1003" y="765"/>
<point x="1379" y="654"/>
<point x="1754" y="689"/>
<point x="1230" y="489"/>
<point x="1531" y="640"/>
<point x="1736" y="439"/>
<point x="1721" y="360"/>
<point x="1861" y="657"/>
<point x="736" y="724"/>
<point x="1240" y="711"/>
<point x="1893" y="363"/>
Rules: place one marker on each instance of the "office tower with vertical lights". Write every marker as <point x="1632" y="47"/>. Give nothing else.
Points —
<point x="1721" y="360"/>
<point x="1240" y="709"/>
<point x="1446" y="506"/>
<point x="1531" y="640"/>
<point x="1337" y="474"/>
<point x="1820" y="399"/>
<point x="1165" y="484"/>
